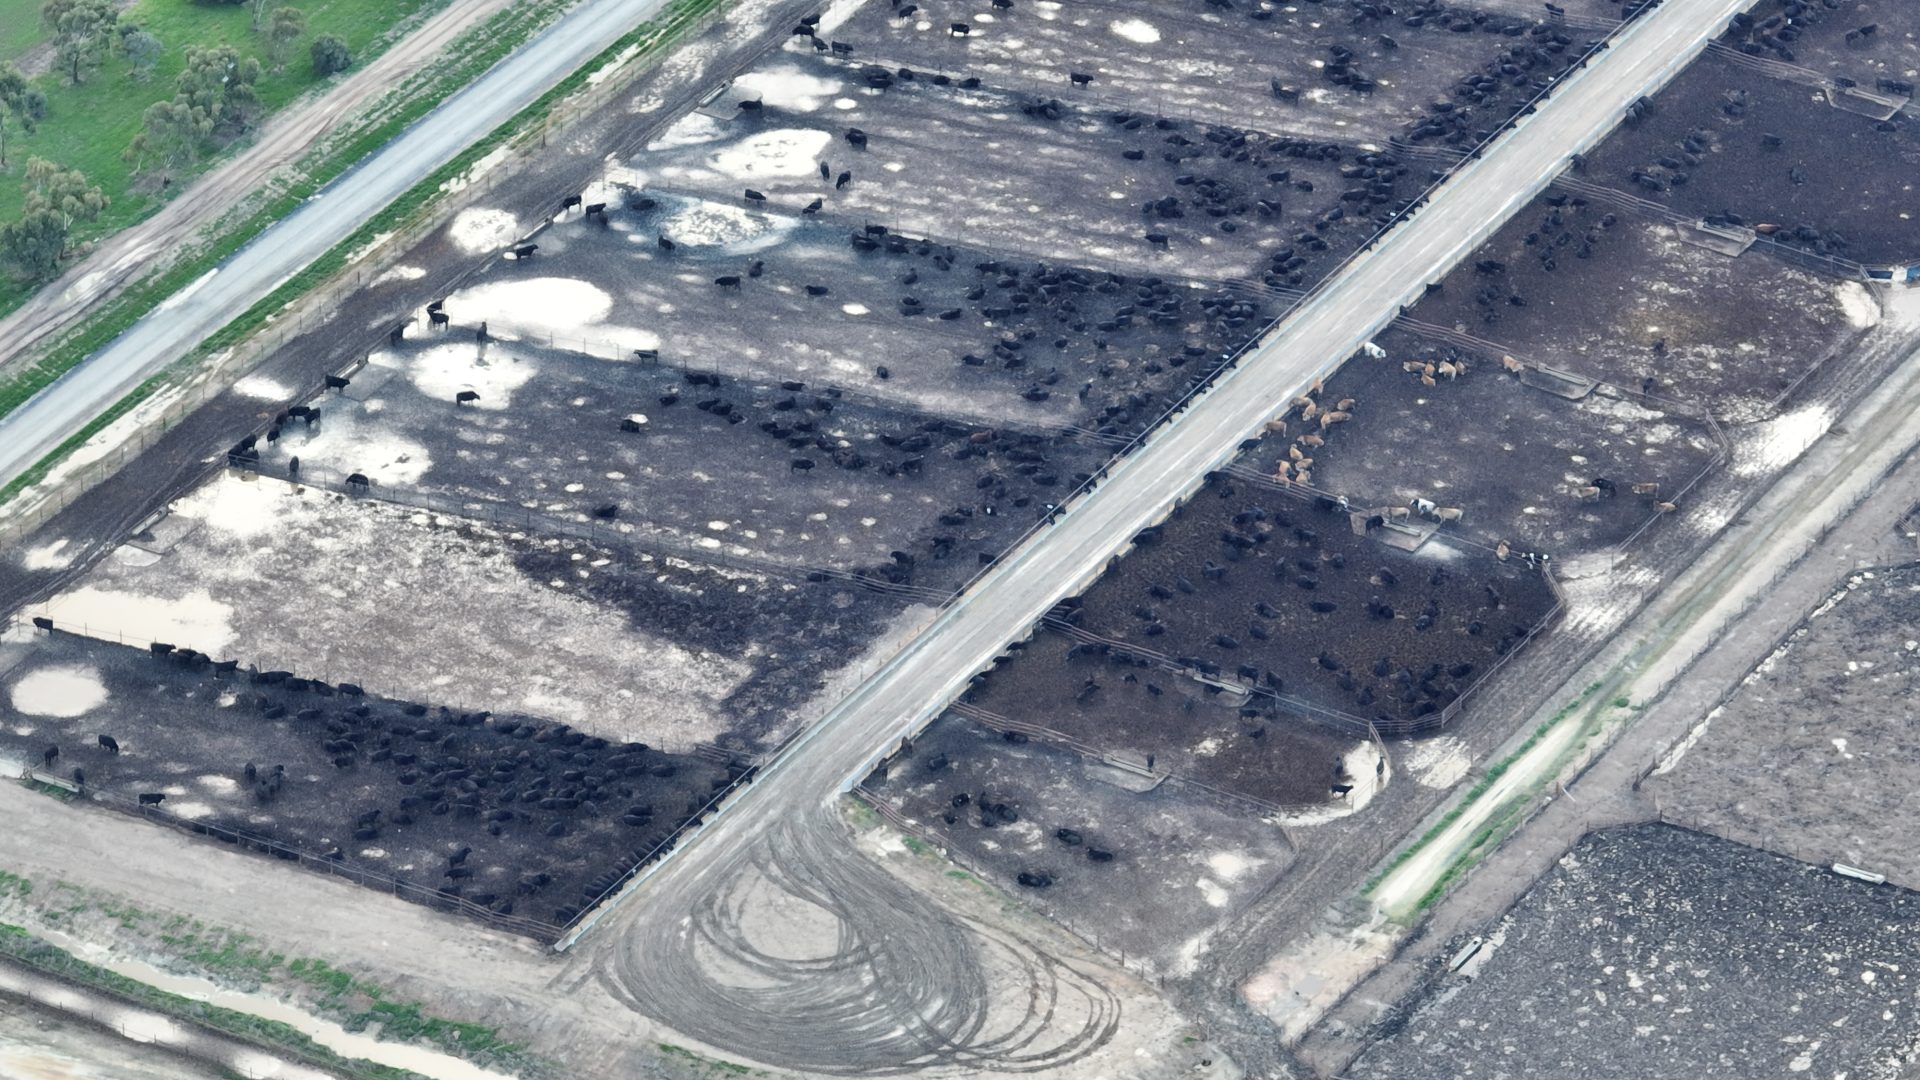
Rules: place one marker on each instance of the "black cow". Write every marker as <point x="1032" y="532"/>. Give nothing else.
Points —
<point x="152" y="798"/>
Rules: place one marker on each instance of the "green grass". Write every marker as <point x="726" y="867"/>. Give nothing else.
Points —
<point x="22" y="947"/>
<point x="88" y="126"/>
<point x="471" y="54"/>
<point x="678" y="18"/>
<point x="15" y="885"/>
<point x="692" y="1058"/>
<point x="1493" y="773"/>
<point x="20" y="28"/>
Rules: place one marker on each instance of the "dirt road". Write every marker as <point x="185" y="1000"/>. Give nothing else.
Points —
<point x="134" y="252"/>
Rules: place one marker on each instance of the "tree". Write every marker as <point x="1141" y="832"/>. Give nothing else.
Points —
<point x="34" y="243"/>
<point x="261" y="8"/>
<point x="20" y="101"/>
<point x="219" y="81"/>
<point x="330" y="55"/>
<point x="215" y="97"/>
<point x="171" y="133"/>
<point x="142" y="51"/>
<point x="57" y="199"/>
<point x="82" y="32"/>
<point x="287" y="26"/>
<point x="65" y="192"/>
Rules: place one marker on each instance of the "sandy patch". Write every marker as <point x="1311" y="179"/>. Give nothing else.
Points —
<point x="477" y="229"/>
<point x="262" y="388"/>
<point x="445" y="370"/>
<point x="59" y="691"/>
<point x="49" y="556"/>
<point x="787" y="87"/>
<point x="787" y="152"/>
<point x="1139" y="31"/>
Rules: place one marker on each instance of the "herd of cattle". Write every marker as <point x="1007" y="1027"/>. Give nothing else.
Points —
<point x="498" y="811"/>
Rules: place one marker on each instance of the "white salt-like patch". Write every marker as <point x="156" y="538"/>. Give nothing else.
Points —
<point x="1782" y="439"/>
<point x="262" y="388"/>
<point x="846" y="103"/>
<point x="445" y="370"/>
<point x="1857" y="304"/>
<point x="477" y="229"/>
<point x="1437" y="763"/>
<point x="51" y="556"/>
<point x="550" y="305"/>
<point x="785" y="152"/>
<point x="345" y="445"/>
<point x="217" y="784"/>
<point x="63" y="691"/>
<point x="690" y="130"/>
<point x="785" y="86"/>
<point x="195" y="620"/>
<point x="713" y="224"/>
<point x="233" y="505"/>
<point x="1136" y="30"/>
<point x="1230" y="866"/>
<point x="855" y="309"/>
<point x="1211" y="891"/>
<point x="399" y="273"/>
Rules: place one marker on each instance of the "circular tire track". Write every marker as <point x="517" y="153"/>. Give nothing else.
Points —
<point x="898" y="985"/>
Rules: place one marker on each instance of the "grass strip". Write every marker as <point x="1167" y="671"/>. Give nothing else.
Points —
<point x="21" y="947"/>
<point x="1493" y="774"/>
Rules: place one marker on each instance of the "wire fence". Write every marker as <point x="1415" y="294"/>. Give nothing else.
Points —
<point x="188" y="390"/>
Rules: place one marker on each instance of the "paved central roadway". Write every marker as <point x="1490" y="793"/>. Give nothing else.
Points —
<point x="1062" y="560"/>
<point x="34" y="430"/>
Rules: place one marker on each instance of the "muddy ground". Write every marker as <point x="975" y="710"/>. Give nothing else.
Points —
<point x="1198" y="60"/>
<point x="1654" y="951"/>
<point x="991" y="167"/>
<point x="1730" y="334"/>
<point x="1837" y="183"/>
<point x="618" y="642"/>
<point x="1512" y="457"/>
<point x="552" y="817"/>
<point x="1811" y="756"/>
<point x="963" y="332"/>
<point x="761" y="470"/>
<point x="1284" y="595"/>
<point x="1241" y="744"/>
<point x="42" y="1044"/>
<point x="1181" y="862"/>
<point x="1826" y="39"/>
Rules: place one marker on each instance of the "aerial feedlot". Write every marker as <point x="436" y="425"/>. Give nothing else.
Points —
<point x="1603" y="294"/>
<point x="1837" y="183"/>
<point x="1258" y="585"/>
<point x="1210" y="63"/>
<point x="1514" y="459"/>
<point x="666" y="442"/>
<point x="1830" y="41"/>
<point x="1810" y="756"/>
<point x="1140" y="872"/>
<point x="967" y="333"/>
<point x="1060" y="182"/>
<point x="1654" y="951"/>
<point x="767" y="471"/>
<point x="549" y="817"/>
<point x="1242" y="746"/>
<point x="621" y="644"/>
